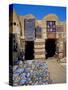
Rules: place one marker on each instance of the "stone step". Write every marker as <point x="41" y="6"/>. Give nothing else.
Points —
<point x="40" y="40"/>
<point x="39" y="50"/>
<point x="39" y="53"/>
<point x="39" y="43"/>
<point x="39" y="46"/>
<point x="40" y="56"/>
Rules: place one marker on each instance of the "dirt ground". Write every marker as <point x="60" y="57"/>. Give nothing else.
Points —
<point x="57" y="70"/>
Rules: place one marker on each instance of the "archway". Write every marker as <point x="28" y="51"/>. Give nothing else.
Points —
<point x="50" y="47"/>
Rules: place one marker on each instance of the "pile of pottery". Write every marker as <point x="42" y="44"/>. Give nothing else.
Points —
<point x="31" y="72"/>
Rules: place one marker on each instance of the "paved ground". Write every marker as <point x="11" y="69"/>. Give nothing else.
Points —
<point x="57" y="71"/>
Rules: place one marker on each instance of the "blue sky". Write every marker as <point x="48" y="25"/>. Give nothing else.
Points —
<point x="39" y="11"/>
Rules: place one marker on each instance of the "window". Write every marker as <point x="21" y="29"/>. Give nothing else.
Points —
<point x="29" y="26"/>
<point x="38" y="32"/>
<point x="51" y="26"/>
<point x="14" y="23"/>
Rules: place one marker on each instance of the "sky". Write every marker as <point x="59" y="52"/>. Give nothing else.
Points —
<point x="39" y="11"/>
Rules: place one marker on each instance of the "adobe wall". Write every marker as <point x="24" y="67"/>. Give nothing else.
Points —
<point x="59" y="36"/>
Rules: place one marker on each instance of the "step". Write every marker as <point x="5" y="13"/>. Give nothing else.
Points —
<point x="39" y="53"/>
<point x="39" y="56"/>
<point x="39" y="46"/>
<point x="40" y="40"/>
<point x="39" y="50"/>
<point x="39" y="43"/>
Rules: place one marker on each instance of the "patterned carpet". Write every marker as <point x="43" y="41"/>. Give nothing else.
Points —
<point x="31" y="72"/>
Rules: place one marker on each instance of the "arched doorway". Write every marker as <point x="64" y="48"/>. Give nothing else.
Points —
<point x="29" y="50"/>
<point x="50" y="47"/>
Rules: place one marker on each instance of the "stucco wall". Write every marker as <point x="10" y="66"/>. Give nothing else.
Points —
<point x="19" y="28"/>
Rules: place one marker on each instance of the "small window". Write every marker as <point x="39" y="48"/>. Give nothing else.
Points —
<point x="14" y="23"/>
<point x="51" y="26"/>
<point x="38" y="32"/>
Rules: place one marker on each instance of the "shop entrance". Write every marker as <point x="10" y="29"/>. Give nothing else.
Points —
<point x="29" y="50"/>
<point x="50" y="47"/>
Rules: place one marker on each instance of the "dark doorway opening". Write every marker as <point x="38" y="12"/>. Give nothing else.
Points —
<point x="29" y="50"/>
<point x="50" y="47"/>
